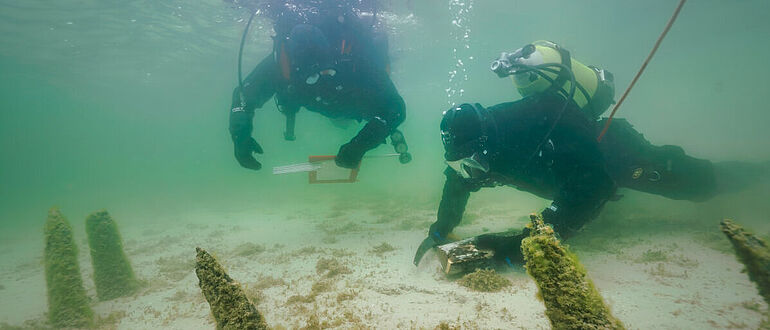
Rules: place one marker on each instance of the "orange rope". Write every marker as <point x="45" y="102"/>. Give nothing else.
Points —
<point x="644" y="65"/>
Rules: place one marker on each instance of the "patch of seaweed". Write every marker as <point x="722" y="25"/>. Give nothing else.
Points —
<point x="752" y="305"/>
<point x="331" y="267"/>
<point x="318" y="319"/>
<point x="661" y="270"/>
<point x="110" y="321"/>
<point x="6" y="326"/>
<point x="268" y="282"/>
<point x="28" y="324"/>
<point x="321" y="287"/>
<point x="446" y="326"/>
<point x="653" y="256"/>
<point x="248" y="249"/>
<point x="339" y="229"/>
<point x="318" y="288"/>
<point x="175" y="268"/>
<point x="255" y="291"/>
<point x="327" y="239"/>
<point x="339" y="253"/>
<point x="178" y="296"/>
<point x="666" y="255"/>
<point x="346" y="295"/>
<point x="484" y="280"/>
<point x="254" y="295"/>
<point x="297" y="298"/>
<point x="382" y="249"/>
<point x="306" y="251"/>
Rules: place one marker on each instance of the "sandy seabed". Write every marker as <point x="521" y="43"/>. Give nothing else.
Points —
<point x="659" y="278"/>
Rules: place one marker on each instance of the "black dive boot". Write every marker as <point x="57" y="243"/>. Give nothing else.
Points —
<point x="735" y="176"/>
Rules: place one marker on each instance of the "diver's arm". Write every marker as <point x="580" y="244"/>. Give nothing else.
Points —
<point x="258" y="87"/>
<point x="450" y="212"/>
<point x="387" y="113"/>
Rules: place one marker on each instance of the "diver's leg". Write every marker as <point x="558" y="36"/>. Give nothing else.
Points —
<point x="663" y="170"/>
<point x="734" y="176"/>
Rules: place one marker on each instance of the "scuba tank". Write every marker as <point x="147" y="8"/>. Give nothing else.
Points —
<point x="543" y="66"/>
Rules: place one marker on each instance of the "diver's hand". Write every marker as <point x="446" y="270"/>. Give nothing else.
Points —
<point x="244" y="152"/>
<point x="427" y="244"/>
<point x="350" y="155"/>
<point x="507" y="247"/>
<point x="433" y="240"/>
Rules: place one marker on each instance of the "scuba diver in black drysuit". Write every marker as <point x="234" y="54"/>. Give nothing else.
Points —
<point x="329" y="58"/>
<point x="547" y="145"/>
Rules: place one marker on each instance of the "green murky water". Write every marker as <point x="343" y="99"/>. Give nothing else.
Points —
<point x="123" y="105"/>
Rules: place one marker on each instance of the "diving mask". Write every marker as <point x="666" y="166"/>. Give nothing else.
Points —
<point x="472" y="167"/>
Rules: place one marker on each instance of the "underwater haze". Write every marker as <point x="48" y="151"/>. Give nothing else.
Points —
<point x="123" y="106"/>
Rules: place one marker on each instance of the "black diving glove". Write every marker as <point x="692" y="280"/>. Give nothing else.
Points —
<point x="507" y="247"/>
<point x="433" y="240"/>
<point x="554" y="216"/>
<point x="372" y="135"/>
<point x="244" y="149"/>
<point x="350" y="155"/>
<point x="244" y="145"/>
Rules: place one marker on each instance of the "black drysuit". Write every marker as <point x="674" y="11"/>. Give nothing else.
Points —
<point x="361" y="89"/>
<point x="571" y="167"/>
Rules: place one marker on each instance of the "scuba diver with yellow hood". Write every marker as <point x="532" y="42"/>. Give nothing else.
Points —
<point x="546" y="144"/>
<point x="328" y="57"/>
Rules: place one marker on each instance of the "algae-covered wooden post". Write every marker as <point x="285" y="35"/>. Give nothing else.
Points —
<point x="753" y="252"/>
<point x="571" y="300"/>
<point x="228" y="302"/>
<point x="68" y="305"/>
<point x="113" y="275"/>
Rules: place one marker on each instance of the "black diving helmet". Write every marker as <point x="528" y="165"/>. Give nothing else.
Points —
<point x="465" y="133"/>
